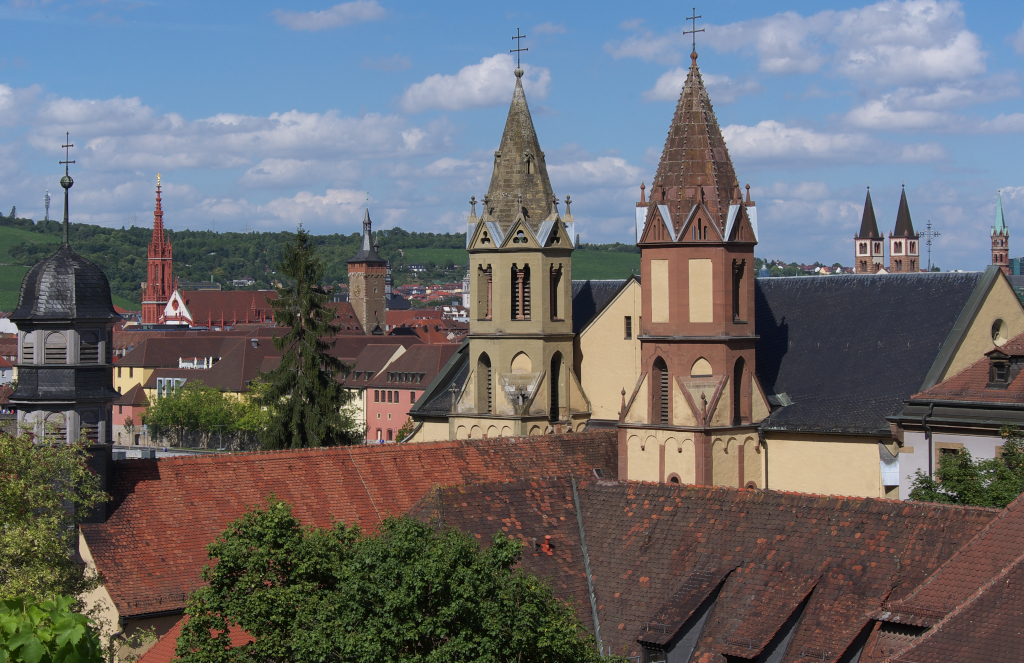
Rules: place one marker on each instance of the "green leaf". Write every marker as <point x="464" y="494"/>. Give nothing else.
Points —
<point x="32" y="651"/>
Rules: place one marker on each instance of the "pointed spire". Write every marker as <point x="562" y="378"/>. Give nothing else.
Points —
<point x="368" y="249"/>
<point x="695" y="159"/>
<point x="1000" y="225"/>
<point x="904" y="226"/>
<point x="158" y="215"/>
<point x="868" y="225"/>
<point x="519" y="169"/>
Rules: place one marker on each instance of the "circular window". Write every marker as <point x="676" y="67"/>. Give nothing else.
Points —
<point x="999" y="333"/>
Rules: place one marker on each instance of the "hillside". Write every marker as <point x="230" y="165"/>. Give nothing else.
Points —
<point x="221" y="257"/>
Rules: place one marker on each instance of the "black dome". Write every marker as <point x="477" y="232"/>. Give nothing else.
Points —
<point x="64" y="286"/>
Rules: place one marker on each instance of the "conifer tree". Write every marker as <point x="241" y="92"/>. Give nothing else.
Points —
<point x="307" y="404"/>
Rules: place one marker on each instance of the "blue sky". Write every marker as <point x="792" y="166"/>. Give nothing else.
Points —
<point x="265" y="114"/>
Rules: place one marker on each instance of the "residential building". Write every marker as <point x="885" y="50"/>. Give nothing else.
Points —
<point x="399" y="384"/>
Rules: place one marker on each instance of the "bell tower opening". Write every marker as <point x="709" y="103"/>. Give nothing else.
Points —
<point x="556" y="377"/>
<point x="659" y="384"/>
<point x="737" y="392"/>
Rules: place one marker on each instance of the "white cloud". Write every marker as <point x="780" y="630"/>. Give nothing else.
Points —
<point x="597" y="172"/>
<point x="878" y="114"/>
<point x="489" y="83"/>
<point x="1003" y="123"/>
<point x="663" y="49"/>
<point x="722" y="89"/>
<point x="550" y="28"/>
<point x="335" y="205"/>
<point x="771" y="141"/>
<point x="1017" y="39"/>
<point x="296" y="172"/>
<point x="337" y="16"/>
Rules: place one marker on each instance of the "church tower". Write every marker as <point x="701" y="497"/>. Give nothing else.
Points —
<point x="1001" y="238"/>
<point x="692" y="416"/>
<point x="367" y="276"/>
<point x="904" y="242"/>
<point x="521" y="379"/>
<point x="867" y="244"/>
<point x="159" y="282"/>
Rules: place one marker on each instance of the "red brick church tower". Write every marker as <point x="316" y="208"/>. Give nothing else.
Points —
<point x="159" y="283"/>
<point x="696" y="396"/>
<point x="1000" y="238"/>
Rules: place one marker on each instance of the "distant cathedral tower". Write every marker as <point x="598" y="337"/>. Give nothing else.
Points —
<point x="521" y="379"/>
<point x="1000" y="238"/>
<point x="159" y="280"/>
<point x="65" y="321"/>
<point x="867" y="244"/>
<point x="904" y="242"/>
<point x="367" y="282"/>
<point x="693" y="415"/>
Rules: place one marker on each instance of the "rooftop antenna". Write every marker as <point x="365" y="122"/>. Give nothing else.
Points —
<point x="693" y="31"/>
<point x="46" y="203"/>
<point x="66" y="181"/>
<point x="930" y="234"/>
<point x="519" y="47"/>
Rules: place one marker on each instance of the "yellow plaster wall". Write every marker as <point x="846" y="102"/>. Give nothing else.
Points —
<point x="123" y="384"/>
<point x="609" y="361"/>
<point x="1000" y="304"/>
<point x="431" y="431"/>
<point x="702" y="301"/>
<point x="99" y="598"/>
<point x="659" y="291"/>
<point x="759" y="404"/>
<point x="680" y="459"/>
<point x="723" y="411"/>
<point x="637" y="413"/>
<point x="682" y="413"/>
<point x="827" y="464"/>
<point x="644" y="456"/>
<point x="753" y="463"/>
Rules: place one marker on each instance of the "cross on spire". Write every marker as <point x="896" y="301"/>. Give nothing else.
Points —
<point x="693" y="31"/>
<point x="67" y="153"/>
<point x="519" y="46"/>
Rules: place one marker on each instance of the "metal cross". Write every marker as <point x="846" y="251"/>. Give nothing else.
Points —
<point x="929" y="235"/>
<point x="694" y="31"/>
<point x="518" y="49"/>
<point x="67" y="154"/>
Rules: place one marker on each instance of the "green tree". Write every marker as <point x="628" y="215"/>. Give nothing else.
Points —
<point x="406" y="430"/>
<point x="192" y="408"/>
<point x="45" y="492"/>
<point x="960" y="479"/>
<point x="307" y="405"/>
<point x="408" y="592"/>
<point x="47" y="632"/>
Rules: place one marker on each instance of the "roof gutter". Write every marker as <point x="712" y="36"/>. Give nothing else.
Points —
<point x="586" y="567"/>
<point x="928" y="436"/>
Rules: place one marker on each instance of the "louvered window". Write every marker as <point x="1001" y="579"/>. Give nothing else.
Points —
<point x="56" y="349"/>
<point x="660" y="376"/>
<point x="520" y="292"/>
<point x="88" y="349"/>
<point x="28" y="350"/>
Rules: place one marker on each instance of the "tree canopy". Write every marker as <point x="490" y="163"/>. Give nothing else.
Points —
<point x="307" y="404"/>
<point x="47" y="632"/>
<point x="960" y="479"/>
<point x="45" y="492"/>
<point x="198" y="415"/>
<point x="408" y="592"/>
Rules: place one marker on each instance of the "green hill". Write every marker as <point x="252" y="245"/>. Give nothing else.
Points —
<point x="205" y="255"/>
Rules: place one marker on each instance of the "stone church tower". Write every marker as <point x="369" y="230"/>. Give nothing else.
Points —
<point x="904" y="242"/>
<point x="521" y="379"/>
<point x="691" y="417"/>
<point x="1001" y="238"/>
<point x="868" y="253"/>
<point x="65" y="321"/>
<point x="367" y="275"/>
<point x="159" y="281"/>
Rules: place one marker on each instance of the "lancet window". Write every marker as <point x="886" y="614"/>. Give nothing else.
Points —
<point x="520" y="292"/>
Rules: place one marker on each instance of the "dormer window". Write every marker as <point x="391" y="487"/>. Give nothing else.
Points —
<point x="998" y="373"/>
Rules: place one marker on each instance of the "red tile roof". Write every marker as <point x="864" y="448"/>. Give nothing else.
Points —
<point x="163" y="650"/>
<point x="152" y="548"/>
<point x="646" y="543"/>
<point x="135" y="396"/>
<point x="423" y="362"/>
<point x="971" y="383"/>
<point x="231" y="306"/>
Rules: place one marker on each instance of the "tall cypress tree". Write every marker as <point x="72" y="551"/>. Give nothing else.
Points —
<point x="305" y="399"/>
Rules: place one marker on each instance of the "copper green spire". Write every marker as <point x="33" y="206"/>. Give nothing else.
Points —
<point x="1000" y="225"/>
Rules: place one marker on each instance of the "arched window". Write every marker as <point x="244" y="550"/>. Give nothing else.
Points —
<point x="485" y="385"/>
<point x="483" y="292"/>
<point x="28" y="349"/>
<point x="737" y="392"/>
<point x="520" y="292"/>
<point x="88" y="348"/>
<point x="556" y="377"/>
<point x="659" y="385"/>
<point x="55" y="351"/>
<point x="556" y="281"/>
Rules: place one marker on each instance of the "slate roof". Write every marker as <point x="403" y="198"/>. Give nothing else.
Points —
<point x="152" y="549"/>
<point x="436" y="400"/>
<point x="880" y="335"/>
<point x="649" y="544"/>
<point x="591" y="296"/>
<point x="367" y="250"/>
<point x="970" y="384"/>
<point x="64" y="287"/>
<point x="868" y="225"/>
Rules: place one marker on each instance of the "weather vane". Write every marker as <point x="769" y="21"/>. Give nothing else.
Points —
<point x="519" y="47"/>
<point x="694" y="30"/>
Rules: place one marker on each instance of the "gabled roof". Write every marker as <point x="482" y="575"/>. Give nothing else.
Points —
<point x="511" y="177"/>
<point x="971" y="384"/>
<point x="649" y="543"/>
<point x="370" y="361"/>
<point x="868" y="225"/>
<point x="419" y="360"/>
<point x="436" y="400"/>
<point x="883" y="334"/>
<point x="904" y="226"/>
<point x="591" y="296"/>
<point x="695" y="156"/>
<point x="231" y="306"/>
<point x="164" y="512"/>
<point x="135" y="397"/>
